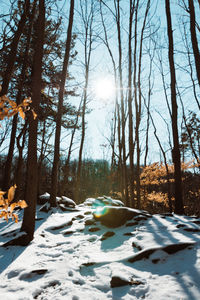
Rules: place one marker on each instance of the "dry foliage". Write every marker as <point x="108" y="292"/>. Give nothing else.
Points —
<point x="7" y="208"/>
<point x="156" y="173"/>
<point x="9" y="108"/>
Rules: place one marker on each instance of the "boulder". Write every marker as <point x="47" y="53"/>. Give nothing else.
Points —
<point x="116" y="216"/>
<point x="65" y="201"/>
<point x="42" y="199"/>
<point x="103" y="201"/>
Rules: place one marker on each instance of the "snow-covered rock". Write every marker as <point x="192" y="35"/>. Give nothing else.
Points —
<point x="62" y="201"/>
<point x="103" y="201"/>
<point x="67" y="202"/>
<point x="42" y="199"/>
<point x="117" y="216"/>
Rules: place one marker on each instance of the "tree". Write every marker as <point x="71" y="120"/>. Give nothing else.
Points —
<point x="13" y="49"/>
<point x="194" y="38"/>
<point x="176" y="150"/>
<point x="8" y="164"/>
<point x="28" y="224"/>
<point x="87" y="14"/>
<point x="54" y="178"/>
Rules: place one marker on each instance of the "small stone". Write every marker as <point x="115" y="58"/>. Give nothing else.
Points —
<point x="136" y="246"/>
<point x="93" y="229"/>
<point x="117" y="282"/>
<point x="90" y="222"/>
<point x="106" y="235"/>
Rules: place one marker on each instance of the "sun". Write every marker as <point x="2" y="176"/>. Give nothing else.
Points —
<point x="104" y="88"/>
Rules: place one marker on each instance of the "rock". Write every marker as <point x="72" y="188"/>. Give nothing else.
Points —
<point x="45" y="208"/>
<point x="131" y="224"/>
<point x="68" y="232"/>
<point x="42" y="199"/>
<point x="170" y="249"/>
<point x="196" y="222"/>
<point x="191" y="229"/>
<point x="134" y="245"/>
<point x="90" y="222"/>
<point x="106" y="235"/>
<point x="116" y="216"/>
<point x="67" y="202"/>
<point x="180" y="225"/>
<point x="129" y="234"/>
<point x="117" y="282"/>
<point x="103" y="201"/>
<point x="93" y="229"/>
<point x="61" y="226"/>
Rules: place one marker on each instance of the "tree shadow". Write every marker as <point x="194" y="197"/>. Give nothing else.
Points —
<point x="8" y="254"/>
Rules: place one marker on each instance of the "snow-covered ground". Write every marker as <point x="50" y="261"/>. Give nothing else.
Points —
<point x="73" y="256"/>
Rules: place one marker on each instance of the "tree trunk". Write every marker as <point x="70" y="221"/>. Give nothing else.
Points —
<point x="176" y="150"/>
<point x="28" y="224"/>
<point x="19" y="171"/>
<point x="8" y="164"/>
<point x="130" y="100"/>
<point x="194" y="39"/>
<point x="123" y="121"/>
<point x="54" y="176"/>
<point x="13" y="51"/>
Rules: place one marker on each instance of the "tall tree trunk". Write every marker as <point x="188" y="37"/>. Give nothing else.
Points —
<point x="176" y="150"/>
<point x="28" y="224"/>
<point x="19" y="170"/>
<point x="54" y="176"/>
<point x="123" y="121"/>
<point x="130" y="100"/>
<point x="13" y="51"/>
<point x="41" y="158"/>
<point x="194" y="39"/>
<point x="79" y="167"/>
<point x="87" y="15"/>
<point x="8" y="164"/>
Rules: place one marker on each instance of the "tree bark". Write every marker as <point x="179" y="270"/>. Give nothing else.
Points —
<point x="176" y="150"/>
<point x="123" y="121"/>
<point x="54" y="176"/>
<point x="8" y="164"/>
<point x="130" y="100"/>
<point x="194" y="39"/>
<point x="13" y="51"/>
<point x="28" y="224"/>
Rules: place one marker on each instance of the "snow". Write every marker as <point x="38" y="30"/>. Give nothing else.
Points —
<point x="74" y="257"/>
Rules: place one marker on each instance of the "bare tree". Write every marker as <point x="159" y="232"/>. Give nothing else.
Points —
<point x="28" y="224"/>
<point x="8" y="164"/>
<point x="87" y="16"/>
<point x="13" y="49"/>
<point x="54" y="177"/>
<point x="176" y="150"/>
<point x="194" y="38"/>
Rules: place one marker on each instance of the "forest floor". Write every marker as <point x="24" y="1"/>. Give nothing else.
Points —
<point x="75" y="257"/>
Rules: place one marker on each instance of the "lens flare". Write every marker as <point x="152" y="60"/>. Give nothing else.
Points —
<point x="99" y="209"/>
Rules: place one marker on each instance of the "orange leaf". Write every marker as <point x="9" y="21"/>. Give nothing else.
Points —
<point x="22" y="204"/>
<point x="21" y="113"/>
<point x="12" y="206"/>
<point x="11" y="193"/>
<point x="15" y="217"/>
<point x="34" y="114"/>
